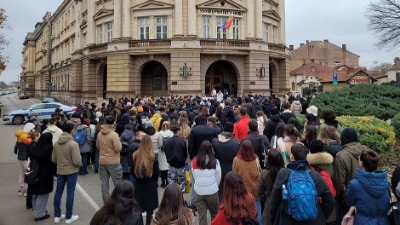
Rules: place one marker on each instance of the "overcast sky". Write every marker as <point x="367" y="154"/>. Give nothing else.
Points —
<point x="339" y="21"/>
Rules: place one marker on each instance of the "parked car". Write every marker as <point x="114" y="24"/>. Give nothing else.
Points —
<point x="49" y="99"/>
<point x="45" y="110"/>
<point x="23" y="96"/>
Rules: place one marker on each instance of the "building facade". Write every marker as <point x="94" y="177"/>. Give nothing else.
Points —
<point x="97" y="49"/>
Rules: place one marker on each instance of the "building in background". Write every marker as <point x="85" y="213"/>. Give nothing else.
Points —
<point x="90" y="49"/>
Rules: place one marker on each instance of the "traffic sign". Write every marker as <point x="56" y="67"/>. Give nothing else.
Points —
<point x="335" y="77"/>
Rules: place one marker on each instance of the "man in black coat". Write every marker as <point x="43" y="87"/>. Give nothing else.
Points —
<point x="286" y="114"/>
<point x="272" y="123"/>
<point x="326" y="203"/>
<point x="226" y="111"/>
<point x="256" y="139"/>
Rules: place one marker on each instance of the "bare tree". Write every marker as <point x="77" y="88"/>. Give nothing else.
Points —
<point x="381" y="67"/>
<point x="384" y="20"/>
<point x="3" y="40"/>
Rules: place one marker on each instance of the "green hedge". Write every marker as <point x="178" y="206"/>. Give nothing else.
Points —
<point x="380" y="101"/>
<point x="396" y="125"/>
<point x="373" y="132"/>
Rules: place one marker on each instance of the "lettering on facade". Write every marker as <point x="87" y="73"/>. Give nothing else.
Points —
<point x="221" y="11"/>
<point x="359" y="79"/>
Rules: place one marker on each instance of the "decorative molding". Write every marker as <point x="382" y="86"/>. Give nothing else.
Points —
<point x="272" y="14"/>
<point x="152" y="5"/>
<point x="103" y="13"/>
<point x="226" y="5"/>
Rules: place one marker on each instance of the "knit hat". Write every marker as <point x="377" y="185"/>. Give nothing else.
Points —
<point x="316" y="146"/>
<point x="140" y="109"/>
<point x="312" y="110"/>
<point x="348" y="135"/>
<point x="28" y="127"/>
<point x="149" y="124"/>
<point x="228" y="127"/>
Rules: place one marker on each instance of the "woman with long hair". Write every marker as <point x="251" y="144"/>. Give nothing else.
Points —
<point x="331" y="139"/>
<point x="172" y="210"/>
<point x="266" y="183"/>
<point x="207" y="176"/>
<point x="185" y="129"/>
<point x="120" y="209"/>
<point x="162" y="158"/>
<point x="237" y="203"/>
<point x="262" y="121"/>
<point x="247" y="164"/>
<point x="291" y="136"/>
<point x="218" y="112"/>
<point x="145" y="171"/>
<point x="311" y="134"/>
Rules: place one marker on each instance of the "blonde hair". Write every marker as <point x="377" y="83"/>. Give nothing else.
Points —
<point x="165" y="126"/>
<point x="185" y="129"/>
<point x="144" y="158"/>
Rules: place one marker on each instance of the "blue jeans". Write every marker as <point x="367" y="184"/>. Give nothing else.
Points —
<point x="85" y="159"/>
<point x="258" y="204"/>
<point x="71" y="181"/>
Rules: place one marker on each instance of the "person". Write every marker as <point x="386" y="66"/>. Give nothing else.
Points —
<point x="207" y="176"/>
<point x="127" y="138"/>
<point x="329" y="118"/>
<point x="67" y="157"/>
<point x="325" y="205"/>
<point x="212" y="121"/>
<point x="310" y="135"/>
<point x="369" y="191"/>
<point x="247" y="164"/>
<point x="266" y="183"/>
<point x="172" y="210"/>
<point x="45" y="124"/>
<point x="166" y="134"/>
<point x="331" y="139"/>
<point x="345" y="166"/>
<point x="262" y="121"/>
<point x="241" y="128"/>
<point x="237" y="203"/>
<point x="145" y="171"/>
<point x="291" y="137"/>
<point x="86" y="148"/>
<point x="287" y="113"/>
<point x="198" y="134"/>
<point x="226" y="147"/>
<point x="175" y="150"/>
<point x="34" y="136"/>
<point x="123" y="121"/>
<point x="120" y="208"/>
<point x="35" y="122"/>
<point x="156" y="119"/>
<point x="21" y="150"/>
<point x="41" y="151"/>
<point x="272" y="123"/>
<point x="109" y="147"/>
<point x="296" y="106"/>
<point x="52" y="128"/>
<point x="259" y="142"/>
<point x="88" y="112"/>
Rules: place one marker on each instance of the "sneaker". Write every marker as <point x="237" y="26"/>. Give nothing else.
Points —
<point x="25" y="194"/>
<point x="21" y="193"/>
<point x="58" y="219"/>
<point x="72" y="219"/>
<point x="45" y="217"/>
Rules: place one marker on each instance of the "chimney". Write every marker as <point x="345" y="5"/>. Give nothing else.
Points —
<point x="396" y="60"/>
<point x="344" y="47"/>
<point x="291" y="47"/>
<point x="301" y="44"/>
<point x="326" y="41"/>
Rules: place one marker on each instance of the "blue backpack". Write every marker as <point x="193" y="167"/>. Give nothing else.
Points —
<point x="80" y="137"/>
<point x="303" y="196"/>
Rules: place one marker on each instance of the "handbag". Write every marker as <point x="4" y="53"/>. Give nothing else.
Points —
<point x="348" y="219"/>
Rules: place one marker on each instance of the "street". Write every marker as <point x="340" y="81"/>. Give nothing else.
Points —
<point x="12" y="207"/>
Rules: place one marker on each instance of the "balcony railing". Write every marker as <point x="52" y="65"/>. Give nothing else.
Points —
<point x="149" y="43"/>
<point x="276" y="47"/>
<point x="99" y="47"/>
<point x="225" y="43"/>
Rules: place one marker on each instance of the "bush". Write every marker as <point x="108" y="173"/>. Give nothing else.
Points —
<point x="396" y="125"/>
<point x="361" y="100"/>
<point x="374" y="133"/>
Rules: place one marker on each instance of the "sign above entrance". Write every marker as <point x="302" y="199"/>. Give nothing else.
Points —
<point x="222" y="12"/>
<point x="359" y="79"/>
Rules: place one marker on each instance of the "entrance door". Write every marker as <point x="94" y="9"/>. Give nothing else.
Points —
<point x="222" y="76"/>
<point x="154" y="79"/>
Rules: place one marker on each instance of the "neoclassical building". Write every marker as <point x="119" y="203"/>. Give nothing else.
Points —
<point x="95" y="49"/>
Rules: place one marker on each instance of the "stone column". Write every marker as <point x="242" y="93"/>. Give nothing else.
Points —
<point x="192" y="18"/>
<point x="259" y="17"/>
<point x="250" y="19"/>
<point x="178" y="18"/>
<point x="78" y="8"/>
<point x="282" y="28"/>
<point x="126" y="22"/>
<point x="91" y="26"/>
<point x="117" y="19"/>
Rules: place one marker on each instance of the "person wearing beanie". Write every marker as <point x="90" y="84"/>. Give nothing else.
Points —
<point x="226" y="147"/>
<point x="346" y="164"/>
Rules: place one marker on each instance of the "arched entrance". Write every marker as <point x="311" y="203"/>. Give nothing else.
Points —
<point x="273" y="74"/>
<point x="103" y="79"/>
<point x="154" y="79"/>
<point x="222" y="76"/>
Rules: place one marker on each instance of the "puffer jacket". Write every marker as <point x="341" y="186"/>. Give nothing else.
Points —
<point x="369" y="192"/>
<point x="21" y="147"/>
<point x="296" y="107"/>
<point x="109" y="146"/>
<point x="156" y="119"/>
<point x="156" y="139"/>
<point x="87" y="146"/>
<point x="66" y="155"/>
<point x="206" y="180"/>
<point x="55" y="131"/>
<point x="345" y="166"/>
<point x="162" y="158"/>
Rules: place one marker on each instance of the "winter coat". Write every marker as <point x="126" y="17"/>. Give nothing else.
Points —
<point x="75" y="121"/>
<point x="257" y="107"/>
<point x="395" y="180"/>
<point x="190" y="219"/>
<point x="53" y="129"/>
<point x="146" y="188"/>
<point x="121" y="127"/>
<point x="87" y="146"/>
<point x="109" y="146"/>
<point x="250" y="171"/>
<point x="264" y="194"/>
<point x="369" y="192"/>
<point x="197" y="135"/>
<point x="256" y="139"/>
<point x="241" y="128"/>
<point x="176" y="151"/>
<point x="156" y="119"/>
<point x="333" y="148"/>
<point x="127" y="138"/>
<point x="296" y="107"/>
<point x="346" y="163"/>
<point x="206" y="180"/>
<point x="227" y="115"/>
<point x="193" y="115"/>
<point x="270" y="128"/>
<point x="66" y="155"/>
<point x="261" y="124"/>
<point x="325" y="206"/>
<point x="156" y="139"/>
<point x="21" y="146"/>
<point x="42" y="151"/>
<point x="226" y="147"/>
<point x="220" y="219"/>
<point x="162" y="158"/>
<point x="128" y="218"/>
<point x="286" y="115"/>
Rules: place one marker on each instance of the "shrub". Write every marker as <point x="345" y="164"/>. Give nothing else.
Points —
<point x="361" y="100"/>
<point x="396" y="125"/>
<point x="374" y="133"/>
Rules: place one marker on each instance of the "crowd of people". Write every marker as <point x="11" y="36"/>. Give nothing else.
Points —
<point x="250" y="162"/>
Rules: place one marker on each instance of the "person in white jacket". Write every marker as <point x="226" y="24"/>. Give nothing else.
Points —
<point x="207" y="176"/>
<point x="52" y="128"/>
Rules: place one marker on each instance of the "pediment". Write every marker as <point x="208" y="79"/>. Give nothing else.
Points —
<point x="272" y="14"/>
<point x="223" y="5"/>
<point x="102" y="13"/>
<point x="149" y="5"/>
<point x="83" y="24"/>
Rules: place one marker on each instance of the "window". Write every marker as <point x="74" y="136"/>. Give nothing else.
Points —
<point x="109" y="28"/>
<point x="157" y="82"/>
<point x="144" y="28"/>
<point x="265" y="32"/>
<point x="206" y="27"/>
<point x="51" y="106"/>
<point x="235" y="27"/>
<point x="37" y="107"/>
<point x="221" y="33"/>
<point x="162" y="27"/>
<point x="99" y="34"/>
<point x="274" y="33"/>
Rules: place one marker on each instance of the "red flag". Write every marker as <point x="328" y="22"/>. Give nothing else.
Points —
<point x="229" y="23"/>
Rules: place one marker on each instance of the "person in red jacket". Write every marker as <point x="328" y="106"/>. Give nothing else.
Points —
<point x="241" y="128"/>
<point x="237" y="203"/>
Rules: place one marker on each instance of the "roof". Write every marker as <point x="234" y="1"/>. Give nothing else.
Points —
<point x="320" y="72"/>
